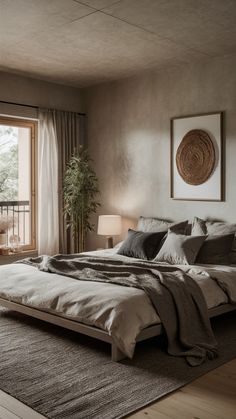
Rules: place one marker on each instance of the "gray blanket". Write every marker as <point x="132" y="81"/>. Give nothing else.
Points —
<point x="175" y="296"/>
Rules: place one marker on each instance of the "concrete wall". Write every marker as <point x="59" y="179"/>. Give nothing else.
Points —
<point x="34" y="92"/>
<point x="129" y="139"/>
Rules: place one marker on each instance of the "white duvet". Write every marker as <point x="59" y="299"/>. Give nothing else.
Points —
<point x="121" y="311"/>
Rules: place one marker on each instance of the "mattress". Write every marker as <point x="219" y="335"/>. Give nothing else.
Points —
<point x="121" y="311"/>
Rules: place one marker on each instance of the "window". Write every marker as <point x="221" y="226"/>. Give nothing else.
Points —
<point x="17" y="181"/>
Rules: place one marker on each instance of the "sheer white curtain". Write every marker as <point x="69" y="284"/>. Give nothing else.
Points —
<point x="48" y="220"/>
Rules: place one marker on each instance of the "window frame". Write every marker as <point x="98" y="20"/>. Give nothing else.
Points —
<point x="33" y="126"/>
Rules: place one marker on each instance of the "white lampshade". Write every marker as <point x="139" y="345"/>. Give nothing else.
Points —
<point x="109" y="225"/>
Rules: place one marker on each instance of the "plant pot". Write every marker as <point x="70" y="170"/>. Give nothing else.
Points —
<point x="3" y="239"/>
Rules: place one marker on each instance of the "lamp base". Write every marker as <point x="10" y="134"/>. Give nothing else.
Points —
<point x="109" y="242"/>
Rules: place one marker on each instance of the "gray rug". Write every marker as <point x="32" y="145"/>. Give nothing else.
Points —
<point x="65" y="375"/>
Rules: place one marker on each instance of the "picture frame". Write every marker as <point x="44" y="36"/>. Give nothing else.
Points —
<point x="197" y="157"/>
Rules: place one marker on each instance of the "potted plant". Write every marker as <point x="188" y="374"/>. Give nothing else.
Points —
<point x="5" y="224"/>
<point x="80" y="192"/>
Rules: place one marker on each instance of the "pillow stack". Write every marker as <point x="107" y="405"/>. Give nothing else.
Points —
<point x="159" y="240"/>
<point x="169" y="247"/>
<point x="147" y="241"/>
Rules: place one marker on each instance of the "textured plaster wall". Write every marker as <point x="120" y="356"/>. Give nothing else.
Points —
<point x="129" y="139"/>
<point x="14" y="88"/>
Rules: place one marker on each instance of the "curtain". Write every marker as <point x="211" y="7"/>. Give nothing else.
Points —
<point x="70" y="133"/>
<point x="61" y="135"/>
<point x="48" y="225"/>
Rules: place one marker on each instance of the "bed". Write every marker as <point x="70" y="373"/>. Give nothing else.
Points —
<point x="115" y="314"/>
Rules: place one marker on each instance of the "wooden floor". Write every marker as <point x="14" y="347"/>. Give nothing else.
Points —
<point x="210" y="397"/>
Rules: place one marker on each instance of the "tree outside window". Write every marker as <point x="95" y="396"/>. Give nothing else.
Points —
<point x="8" y="163"/>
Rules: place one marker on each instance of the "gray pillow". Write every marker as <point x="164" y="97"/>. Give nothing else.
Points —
<point x="179" y="249"/>
<point x="149" y="224"/>
<point x="218" y="228"/>
<point x="215" y="228"/>
<point x="216" y="250"/>
<point x="141" y="245"/>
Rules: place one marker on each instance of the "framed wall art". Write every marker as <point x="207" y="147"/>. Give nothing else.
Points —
<point x="197" y="161"/>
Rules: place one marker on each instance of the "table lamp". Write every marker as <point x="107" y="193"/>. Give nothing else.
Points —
<point x="109" y="225"/>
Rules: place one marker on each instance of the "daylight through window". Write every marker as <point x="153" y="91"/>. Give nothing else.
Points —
<point x="17" y="182"/>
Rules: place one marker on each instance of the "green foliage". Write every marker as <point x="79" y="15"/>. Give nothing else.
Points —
<point x="80" y="192"/>
<point x="8" y="164"/>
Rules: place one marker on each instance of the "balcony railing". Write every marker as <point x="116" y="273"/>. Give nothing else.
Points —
<point x="19" y="213"/>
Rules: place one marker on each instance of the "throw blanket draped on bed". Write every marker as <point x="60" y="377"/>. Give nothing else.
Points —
<point x="176" y="297"/>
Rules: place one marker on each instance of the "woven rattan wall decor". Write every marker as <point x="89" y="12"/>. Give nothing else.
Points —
<point x="195" y="157"/>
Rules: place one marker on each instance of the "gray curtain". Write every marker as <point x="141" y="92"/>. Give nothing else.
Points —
<point x="70" y="134"/>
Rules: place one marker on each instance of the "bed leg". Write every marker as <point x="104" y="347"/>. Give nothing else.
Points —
<point x="116" y="354"/>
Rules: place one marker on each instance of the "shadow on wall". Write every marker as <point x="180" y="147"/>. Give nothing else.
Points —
<point x="122" y="165"/>
<point x="127" y="223"/>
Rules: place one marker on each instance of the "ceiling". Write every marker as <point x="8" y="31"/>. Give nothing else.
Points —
<point x="86" y="42"/>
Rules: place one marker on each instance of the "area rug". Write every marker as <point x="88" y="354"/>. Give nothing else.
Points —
<point x="62" y="374"/>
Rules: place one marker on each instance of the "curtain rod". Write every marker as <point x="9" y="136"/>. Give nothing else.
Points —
<point x="34" y="107"/>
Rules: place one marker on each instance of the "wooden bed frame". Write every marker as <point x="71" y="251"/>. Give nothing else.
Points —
<point x="94" y="332"/>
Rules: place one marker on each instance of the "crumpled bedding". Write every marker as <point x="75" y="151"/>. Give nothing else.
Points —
<point x="122" y="312"/>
